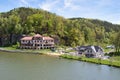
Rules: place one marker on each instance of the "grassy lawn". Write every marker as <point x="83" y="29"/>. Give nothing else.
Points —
<point x="115" y="58"/>
<point x="28" y="50"/>
<point x="8" y="48"/>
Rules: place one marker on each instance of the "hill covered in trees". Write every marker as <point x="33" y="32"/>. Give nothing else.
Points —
<point x="69" y="32"/>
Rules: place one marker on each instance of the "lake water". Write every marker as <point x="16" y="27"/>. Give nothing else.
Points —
<point x="17" y="66"/>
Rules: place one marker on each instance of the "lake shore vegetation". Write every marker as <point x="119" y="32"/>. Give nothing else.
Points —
<point x="110" y="62"/>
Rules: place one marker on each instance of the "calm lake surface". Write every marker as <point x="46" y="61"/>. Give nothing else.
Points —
<point x="17" y="66"/>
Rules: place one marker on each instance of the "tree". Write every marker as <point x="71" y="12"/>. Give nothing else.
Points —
<point x="69" y="32"/>
<point x="34" y="23"/>
<point x="117" y="42"/>
<point x="13" y="27"/>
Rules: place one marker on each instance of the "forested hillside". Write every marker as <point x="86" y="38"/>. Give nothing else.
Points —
<point x="69" y="32"/>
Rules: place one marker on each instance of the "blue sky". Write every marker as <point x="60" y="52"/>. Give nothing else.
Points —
<point x="108" y="10"/>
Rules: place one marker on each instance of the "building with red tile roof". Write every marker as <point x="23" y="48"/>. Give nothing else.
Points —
<point x="37" y="35"/>
<point x="27" y="38"/>
<point x="36" y="42"/>
<point x="47" y="38"/>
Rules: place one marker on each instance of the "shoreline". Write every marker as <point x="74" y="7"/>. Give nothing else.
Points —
<point x="66" y="56"/>
<point x="30" y="52"/>
<point x="92" y="60"/>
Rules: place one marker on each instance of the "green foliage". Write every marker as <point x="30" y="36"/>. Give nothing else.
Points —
<point x="32" y="34"/>
<point x="68" y="32"/>
<point x="114" y="54"/>
<point x="17" y="45"/>
<point x="117" y="42"/>
<point x="116" y="58"/>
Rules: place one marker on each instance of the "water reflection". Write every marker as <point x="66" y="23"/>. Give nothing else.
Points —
<point x="18" y="66"/>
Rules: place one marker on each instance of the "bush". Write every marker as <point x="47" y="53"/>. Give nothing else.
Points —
<point x="16" y="45"/>
<point x="114" y="54"/>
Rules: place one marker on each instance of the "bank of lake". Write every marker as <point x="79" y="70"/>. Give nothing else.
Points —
<point x="109" y="62"/>
<point x="113" y="61"/>
<point x="30" y="51"/>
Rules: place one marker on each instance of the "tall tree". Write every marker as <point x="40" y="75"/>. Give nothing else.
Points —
<point x="117" y="42"/>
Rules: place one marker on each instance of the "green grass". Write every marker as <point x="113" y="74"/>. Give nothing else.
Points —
<point x="115" y="58"/>
<point x="44" y="51"/>
<point x="9" y="48"/>
<point x="93" y="60"/>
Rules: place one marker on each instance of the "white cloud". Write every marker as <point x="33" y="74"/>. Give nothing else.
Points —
<point x="48" y="4"/>
<point x="99" y="9"/>
<point x="24" y="3"/>
<point x="70" y="4"/>
<point x="67" y="3"/>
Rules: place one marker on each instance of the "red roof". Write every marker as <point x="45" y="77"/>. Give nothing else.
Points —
<point x="27" y="38"/>
<point x="37" y="35"/>
<point x="48" y="38"/>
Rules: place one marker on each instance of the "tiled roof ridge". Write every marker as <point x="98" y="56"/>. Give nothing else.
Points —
<point x="47" y="37"/>
<point x="37" y="35"/>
